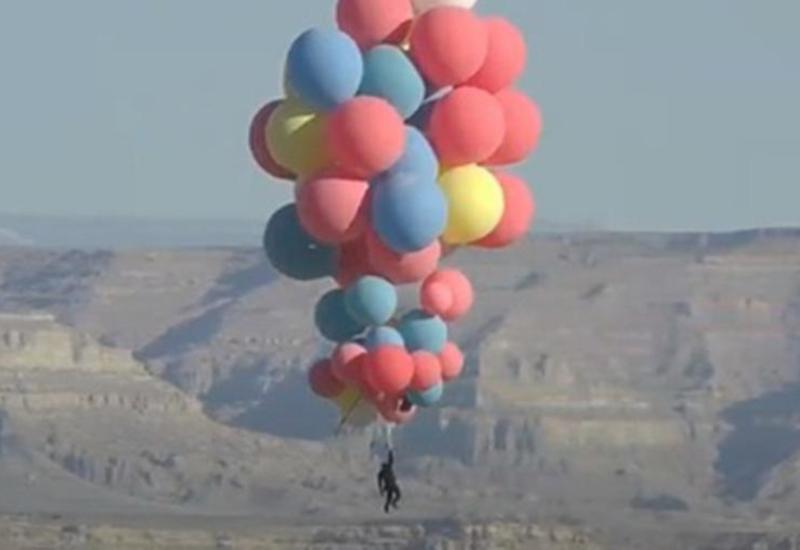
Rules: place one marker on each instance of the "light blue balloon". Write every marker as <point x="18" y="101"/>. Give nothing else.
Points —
<point x="427" y="398"/>
<point x="292" y="251"/>
<point x="389" y="74"/>
<point x="333" y="320"/>
<point x="423" y="332"/>
<point x="409" y="213"/>
<point x="371" y="300"/>
<point x="384" y="336"/>
<point x="324" y="68"/>
<point x="418" y="159"/>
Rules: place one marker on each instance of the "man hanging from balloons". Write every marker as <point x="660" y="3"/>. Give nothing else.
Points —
<point x="396" y="129"/>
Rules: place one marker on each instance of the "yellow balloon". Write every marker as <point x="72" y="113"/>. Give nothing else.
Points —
<point x="355" y="409"/>
<point x="296" y="138"/>
<point x="347" y="399"/>
<point x="476" y="203"/>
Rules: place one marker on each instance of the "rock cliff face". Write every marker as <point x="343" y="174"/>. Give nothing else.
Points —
<point x="651" y="374"/>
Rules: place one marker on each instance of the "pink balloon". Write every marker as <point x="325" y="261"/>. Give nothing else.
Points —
<point x="523" y="128"/>
<point x="518" y="215"/>
<point x="366" y="136"/>
<point x="353" y="262"/>
<point x="323" y="382"/>
<point x="449" y="45"/>
<point x="392" y="410"/>
<point x="402" y="268"/>
<point x="466" y="127"/>
<point x="427" y="371"/>
<point x="373" y="22"/>
<point x="461" y="289"/>
<point x="506" y="57"/>
<point x="436" y="298"/>
<point x="258" y="143"/>
<point x="452" y="359"/>
<point x="347" y="362"/>
<point x="390" y="369"/>
<point x="333" y="209"/>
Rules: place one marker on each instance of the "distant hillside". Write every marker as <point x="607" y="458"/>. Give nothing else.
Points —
<point x="127" y="233"/>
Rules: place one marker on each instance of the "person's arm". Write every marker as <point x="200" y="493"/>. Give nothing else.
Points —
<point x="381" y="483"/>
<point x="391" y="458"/>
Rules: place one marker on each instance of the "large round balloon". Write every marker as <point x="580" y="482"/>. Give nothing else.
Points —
<point x="371" y="301"/>
<point x="292" y="251"/>
<point x="408" y="213"/>
<point x="390" y="369"/>
<point x="522" y="129"/>
<point x="436" y="298"/>
<point x="366" y="136"/>
<point x="475" y="203"/>
<point x="373" y="22"/>
<point x="427" y="398"/>
<point x="258" y="143"/>
<point x="402" y="269"/>
<point x="452" y="359"/>
<point x="418" y="159"/>
<point x="518" y="216"/>
<point x="421" y="6"/>
<point x="467" y="126"/>
<point x="352" y="262"/>
<point x="459" y="290"/>
<point x="324" y="68"/>
<point x="449" y="44"/>
<point x="423" y="332"/>
<point x="384" y="336"/>
<point x="296" y="138"/>
<point x="427" y="371"/>
<point x="333" y="209"/>
<point x="323" y="382"/>
<point x="390" y="75"/>
<point x="347" y="362"/>
<point x="333" y="320"/>
<point x="505" y="60"/>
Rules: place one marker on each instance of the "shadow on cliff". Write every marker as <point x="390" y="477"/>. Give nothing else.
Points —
<point x="764" y="435"/>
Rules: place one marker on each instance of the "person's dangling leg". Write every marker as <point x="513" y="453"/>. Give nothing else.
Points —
<point x="388" y="501"/>
<point x="396" y="498"/>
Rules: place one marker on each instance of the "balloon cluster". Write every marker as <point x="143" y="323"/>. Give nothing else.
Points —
<point x="394" y="128"/>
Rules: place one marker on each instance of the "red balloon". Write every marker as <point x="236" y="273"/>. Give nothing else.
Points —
<point x="347" y="362"/>
<point x="523" y="127"/>
<point x="436" y="298"/>
<point x="402" y="269"/>
<point x="427" y="371"/>
<point x="366" y="136"/>
<point x="390" y="369"/>
<point x="258" y="143"/>
<point x="323" y="382"/>
<point x="353" y="262"/>
<point x="394" y="410"/>
<point x="518" y="215"/>
<point x="373" y="22"/>
<point x="461" y="290"/>
<point x="333" y="209"/>
<point x="467" y="126"/>
<point x="506" y="57"/>
<point x="449" y="45"/>
<point x="452" y="359"/>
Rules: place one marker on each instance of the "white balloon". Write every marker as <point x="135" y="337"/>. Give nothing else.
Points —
<point x="421" y="6"/>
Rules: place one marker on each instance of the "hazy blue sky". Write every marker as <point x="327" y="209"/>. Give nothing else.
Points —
<point x="659" y="114"/>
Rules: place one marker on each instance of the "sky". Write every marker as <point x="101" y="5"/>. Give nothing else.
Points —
<point x="659" y="115"/>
